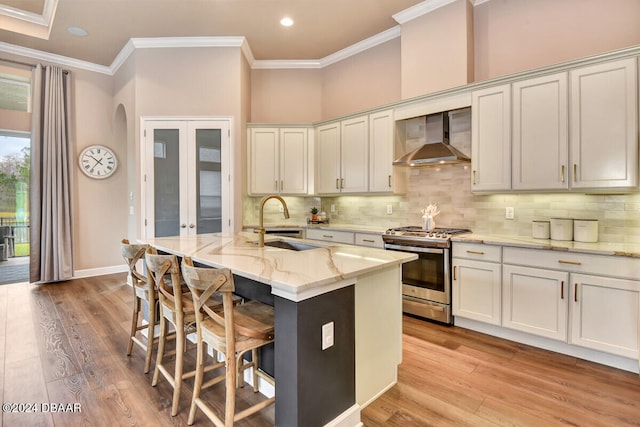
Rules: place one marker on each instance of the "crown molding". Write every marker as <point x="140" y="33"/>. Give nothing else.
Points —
<point x="420" y="9"/>
<point x="29" y="23"/>
<point x="345" y="53"/>
<point x="239" y="41"/>
<point x="53" y="58"/>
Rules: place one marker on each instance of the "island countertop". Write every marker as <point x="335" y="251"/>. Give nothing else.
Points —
<point x="294" y="275"/>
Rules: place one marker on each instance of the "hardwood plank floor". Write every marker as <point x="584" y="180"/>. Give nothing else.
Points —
<point x="66" y="342"/>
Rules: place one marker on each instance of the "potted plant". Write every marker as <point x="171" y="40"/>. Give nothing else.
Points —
<point x="314" y="214"/>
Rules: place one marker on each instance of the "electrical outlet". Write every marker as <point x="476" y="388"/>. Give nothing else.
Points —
<point x="281" y="208"/>
<point x="327" y="335"/>
<point x="333" y="208"/>
<point x="389" y="209"/>
<point x="509" y="213"/>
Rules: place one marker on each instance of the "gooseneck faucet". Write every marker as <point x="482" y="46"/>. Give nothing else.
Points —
<point x="260" y="230"/>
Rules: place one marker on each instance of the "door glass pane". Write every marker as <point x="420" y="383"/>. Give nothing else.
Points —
<point x="166" y="168"/>
<point x="209" y="182"/>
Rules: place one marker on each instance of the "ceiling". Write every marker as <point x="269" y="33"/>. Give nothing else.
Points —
<point x="321" y="27"/>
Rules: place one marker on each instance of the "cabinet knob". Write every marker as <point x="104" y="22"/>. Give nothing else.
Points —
<point x="183" y="225"/>
<point x="192" y="226"/>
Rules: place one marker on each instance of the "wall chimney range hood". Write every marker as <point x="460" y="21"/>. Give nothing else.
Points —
<point x="436" y="150"/>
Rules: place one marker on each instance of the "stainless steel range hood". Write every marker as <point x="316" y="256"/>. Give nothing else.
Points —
<point x="436" y="150"/>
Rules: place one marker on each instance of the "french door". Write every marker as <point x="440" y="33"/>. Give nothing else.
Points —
<point x="185" y="193"/>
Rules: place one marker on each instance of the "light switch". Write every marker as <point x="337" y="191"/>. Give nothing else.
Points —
<point x="327" y="335"/>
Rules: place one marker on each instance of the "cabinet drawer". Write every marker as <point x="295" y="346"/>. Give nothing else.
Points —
<point x="477" y="251"/>
<point x="330" y="235"/>
<point x="605" y="265"/>
<point x="366" y="239"/>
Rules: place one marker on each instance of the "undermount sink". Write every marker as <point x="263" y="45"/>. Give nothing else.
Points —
<point x="292" y="246"/>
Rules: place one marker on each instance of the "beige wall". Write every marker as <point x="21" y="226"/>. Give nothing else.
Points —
<point x="512" y="36"/>
<point x="100" y="214"/>
<point x="436" y="52"/>
<point x="363" y="81"/>
<point x="285" y="96"/>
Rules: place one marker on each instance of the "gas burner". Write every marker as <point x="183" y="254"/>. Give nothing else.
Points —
<point x="415" y="235"/>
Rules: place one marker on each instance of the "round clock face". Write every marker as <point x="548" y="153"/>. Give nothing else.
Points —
<point x="98" y="161"/>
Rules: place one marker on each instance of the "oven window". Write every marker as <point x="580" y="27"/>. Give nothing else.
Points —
<point x="425" y="272"/>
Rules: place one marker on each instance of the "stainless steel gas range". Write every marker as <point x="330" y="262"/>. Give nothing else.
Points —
<point x="426" y="282"/>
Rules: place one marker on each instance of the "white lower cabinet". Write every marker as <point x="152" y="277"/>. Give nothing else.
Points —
<point x="476" y="282"/>
<point x="547" y="293"/>
<point x="605" y="313"/>
<point x="535" y="301"/>
<point x="328" y="235"/>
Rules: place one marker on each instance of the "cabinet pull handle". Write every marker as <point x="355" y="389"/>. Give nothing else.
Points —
<point x="455" y="272"/>
<point x="562" y="290"/>
<point x="337" y="183"/>
<point x="561" y="261"/>
<point x="276" y="185"/>
<point x="281" y="185"/>
<point x="474" y="178"/>
<point x="475" y="252"/>
<point x="328" y="236"/>
<point x="562" y="174"/>
<point x="368" y="240"/>
<point x="575" y="292"/>
<point x="341" y="183"/>
<point x="389" y="181"/>
<point x="575" y="172"/>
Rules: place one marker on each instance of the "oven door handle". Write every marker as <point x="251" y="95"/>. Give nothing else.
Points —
<point x="403" y="248"/>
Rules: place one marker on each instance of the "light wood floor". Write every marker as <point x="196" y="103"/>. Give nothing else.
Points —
<point x="66" y="343"/>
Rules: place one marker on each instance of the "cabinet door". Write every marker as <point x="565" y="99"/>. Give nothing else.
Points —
<point x="263" y="161"/>
<point x="491" y="139"/>
<point x="328" y="158"/>
<point x="604" y="314"/>
<point x="476" y="290"/>
<point x="535" y="301"/>
<point x="293" y="161"/>
<point x="540" y="133"/>
<point x="604" y="123"/>
<point x="354" y="150"/>
<point x="381" y="127"/>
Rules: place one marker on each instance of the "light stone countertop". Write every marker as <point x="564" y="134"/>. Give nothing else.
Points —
<point x="356" y="228"/>
<point x="295" y="275"/>
<point x="598" y="248"/>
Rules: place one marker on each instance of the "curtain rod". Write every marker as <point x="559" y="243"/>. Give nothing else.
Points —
<point x="26" y="64"/>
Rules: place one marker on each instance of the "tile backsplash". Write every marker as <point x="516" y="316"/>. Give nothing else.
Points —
<point x="449" y="185"/>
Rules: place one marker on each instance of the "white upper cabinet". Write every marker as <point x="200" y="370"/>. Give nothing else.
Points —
<point x="604" y="125"/>
<point x="278" y="160"/>
<point x="540" y="133"/>
<point x="342" y="156"/>
<point x="381" y="127"/>
<point x="328" y="158"/>
<point x="491" y="139"/>
<point x="354" y="150"/>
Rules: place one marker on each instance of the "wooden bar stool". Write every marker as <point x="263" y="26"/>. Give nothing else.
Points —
<point x="232" y="331"/>
<point x="142" y="292"/>
<point x="176" y="307"/>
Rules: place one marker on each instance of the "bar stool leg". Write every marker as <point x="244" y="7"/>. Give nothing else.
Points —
<point x="161" y="341"/>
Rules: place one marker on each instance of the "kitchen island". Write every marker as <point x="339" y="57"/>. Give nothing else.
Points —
<point x="356" y="290"/>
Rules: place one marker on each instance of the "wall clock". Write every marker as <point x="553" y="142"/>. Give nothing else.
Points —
<point x="98" y="161"/>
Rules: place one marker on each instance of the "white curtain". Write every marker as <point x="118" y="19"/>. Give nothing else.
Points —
<point x="51" y="177"/>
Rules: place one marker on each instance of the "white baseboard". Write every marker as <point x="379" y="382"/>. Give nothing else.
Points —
<point x="90" y="272"/>
<point x="349" y="418"/>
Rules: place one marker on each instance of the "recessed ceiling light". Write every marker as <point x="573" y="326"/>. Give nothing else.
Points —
<point x="286" y="21"/>
<point x="77" y="31"/>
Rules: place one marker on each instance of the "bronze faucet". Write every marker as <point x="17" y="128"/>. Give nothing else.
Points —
<point x="260" y="230"/>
